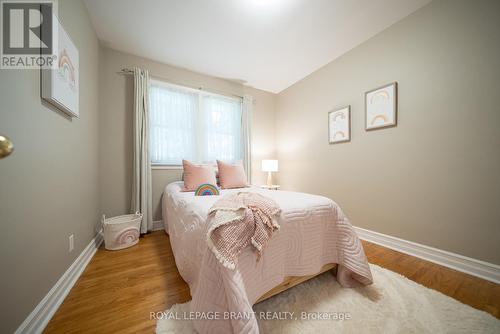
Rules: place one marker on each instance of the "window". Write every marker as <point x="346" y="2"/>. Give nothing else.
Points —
<point x="193" y="125"/>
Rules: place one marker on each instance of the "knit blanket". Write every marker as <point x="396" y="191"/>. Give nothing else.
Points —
<point x="240" y="219"/>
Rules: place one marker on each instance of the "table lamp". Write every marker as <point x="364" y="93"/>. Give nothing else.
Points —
<point x="269" y="166"/>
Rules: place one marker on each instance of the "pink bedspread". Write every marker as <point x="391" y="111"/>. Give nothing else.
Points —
<point x="313" y="232"/>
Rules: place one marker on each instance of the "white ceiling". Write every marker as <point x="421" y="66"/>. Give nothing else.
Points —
<point x="268" y="44"/>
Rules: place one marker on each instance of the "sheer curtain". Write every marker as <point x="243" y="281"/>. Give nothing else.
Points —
<point x="193" y="125"/>
<point x="173" y="114"/>
<point x="221" y="134"/>
<point x="246" y="144"/>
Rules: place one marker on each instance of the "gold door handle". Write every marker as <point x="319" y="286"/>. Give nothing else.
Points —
<point x="6" y="146"/>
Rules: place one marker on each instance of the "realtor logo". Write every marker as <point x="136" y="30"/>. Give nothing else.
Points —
<point x="27" y="34"/>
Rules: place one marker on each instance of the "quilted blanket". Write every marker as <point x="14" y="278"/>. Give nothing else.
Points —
<point x="313" y="232"/>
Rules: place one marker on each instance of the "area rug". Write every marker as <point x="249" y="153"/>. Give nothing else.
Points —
<point x="393" y="304"/>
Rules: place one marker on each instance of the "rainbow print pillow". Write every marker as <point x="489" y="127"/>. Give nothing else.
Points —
<point x="206" y="189"/>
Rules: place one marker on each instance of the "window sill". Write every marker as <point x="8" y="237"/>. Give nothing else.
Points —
<point x="174" y="167"/>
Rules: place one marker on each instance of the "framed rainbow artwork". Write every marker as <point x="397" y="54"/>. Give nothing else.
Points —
<point x="60" y="85"/>
<point x="339" y="125"/>
<point x="206" y="189"/>
<point x="381" y="107"/>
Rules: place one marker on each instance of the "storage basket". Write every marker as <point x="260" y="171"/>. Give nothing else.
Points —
<point x="121" y="231"/>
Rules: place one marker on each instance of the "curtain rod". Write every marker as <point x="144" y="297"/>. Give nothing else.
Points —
<point x="128" y="71"/>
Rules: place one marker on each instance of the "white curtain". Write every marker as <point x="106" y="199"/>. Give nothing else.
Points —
<point x="221" y="127"/>
<point x="141" y="186"/>
<point x="246" y="123"/>
<point x="173" y="125"/>
<point x="194" y="125"/>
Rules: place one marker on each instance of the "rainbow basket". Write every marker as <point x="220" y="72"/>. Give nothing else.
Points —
<point x="121" y="231"/>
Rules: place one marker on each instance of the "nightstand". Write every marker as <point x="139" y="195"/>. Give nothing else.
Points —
<point x="273" y="187"/>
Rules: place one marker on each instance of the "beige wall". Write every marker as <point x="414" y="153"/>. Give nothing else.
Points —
<point x="263" y="132"/>
<point x="115" y="127"/>
<point x="49" y="185"/>
<point x="435" y="178"/>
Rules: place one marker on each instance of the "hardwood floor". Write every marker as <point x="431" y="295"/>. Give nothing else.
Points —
<point x="118" y="290"/>
<point x="468" y="289"/>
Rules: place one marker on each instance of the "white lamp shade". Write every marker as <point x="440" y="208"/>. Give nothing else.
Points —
<point x="269" y="165"/>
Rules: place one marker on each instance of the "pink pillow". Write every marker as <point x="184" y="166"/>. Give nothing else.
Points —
<point x="232" y="175"/>
<point x="194" y="175"/>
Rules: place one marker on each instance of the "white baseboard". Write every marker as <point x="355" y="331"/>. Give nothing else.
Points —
<point x="158" y="225"/>
<point x="485" y="270"/>
<point x="43" y="312"/>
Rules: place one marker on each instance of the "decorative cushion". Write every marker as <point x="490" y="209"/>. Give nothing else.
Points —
<point x="232" y="175"/>
<point x="216" y="173"/>
<point x="195" y="175"/>
<point x="206" y="189"/>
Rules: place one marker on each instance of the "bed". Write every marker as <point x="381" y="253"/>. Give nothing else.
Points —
<point x="315" y="236"/>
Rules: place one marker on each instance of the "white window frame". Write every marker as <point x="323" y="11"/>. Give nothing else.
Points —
<point x="200" y="93"/>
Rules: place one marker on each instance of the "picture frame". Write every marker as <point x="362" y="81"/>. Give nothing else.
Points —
<point x="60" y="85"/>
<point x="339" y="125"/>
<point x="381" y="107"/>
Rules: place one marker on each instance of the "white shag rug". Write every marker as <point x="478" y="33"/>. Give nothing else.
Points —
<point x="393" y="304"/>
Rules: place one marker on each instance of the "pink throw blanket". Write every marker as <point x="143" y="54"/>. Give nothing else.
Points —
<point x="239" y="219"/>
